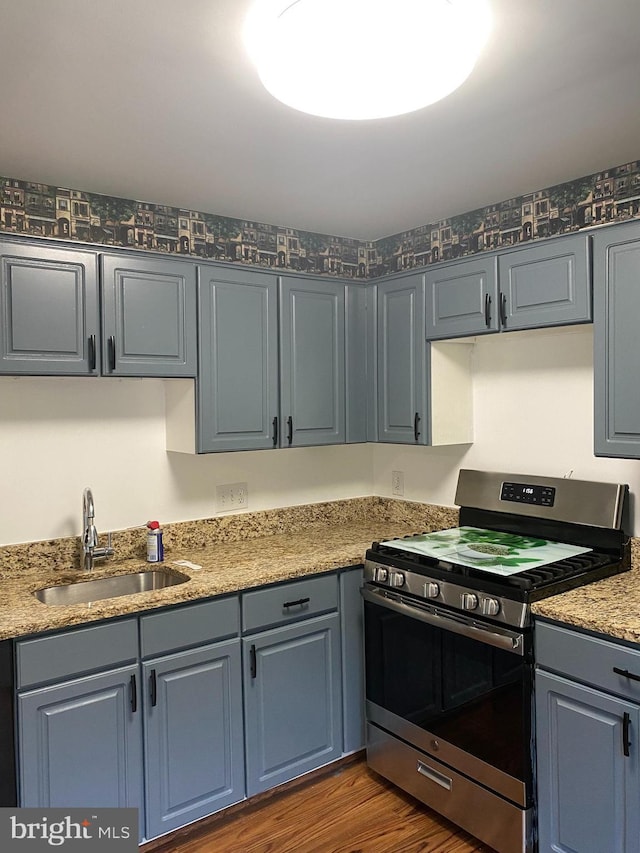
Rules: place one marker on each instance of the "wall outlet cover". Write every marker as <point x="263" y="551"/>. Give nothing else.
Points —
<point x="397" y="482"/>
<point x="231" y="497"/>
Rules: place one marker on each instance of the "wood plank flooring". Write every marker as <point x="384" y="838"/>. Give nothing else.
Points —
<point x="349" y="810"/>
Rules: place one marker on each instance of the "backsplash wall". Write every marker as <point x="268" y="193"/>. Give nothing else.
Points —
<point x="46" y="211"/>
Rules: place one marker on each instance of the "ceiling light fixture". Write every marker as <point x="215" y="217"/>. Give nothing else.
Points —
<point x="364" y="59"/>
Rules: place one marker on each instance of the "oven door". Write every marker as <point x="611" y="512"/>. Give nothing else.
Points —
<point x="453" y="686"/>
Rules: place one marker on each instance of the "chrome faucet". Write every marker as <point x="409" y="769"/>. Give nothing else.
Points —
<point x="90" y="550"/>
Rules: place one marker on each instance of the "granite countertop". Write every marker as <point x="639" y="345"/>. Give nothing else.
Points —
<point x="254" y="549"/>
<point x="610" y="607"/>
<point x="227" y="567"/>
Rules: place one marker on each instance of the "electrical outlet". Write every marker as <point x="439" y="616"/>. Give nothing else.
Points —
<point x="232" y="496"/>
<point x="397" y="482"/>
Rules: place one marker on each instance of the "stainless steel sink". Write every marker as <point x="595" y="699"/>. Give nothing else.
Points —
<point x="83" y="591"/>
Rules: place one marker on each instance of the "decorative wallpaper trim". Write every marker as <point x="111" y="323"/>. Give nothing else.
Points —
<point x="42" y="210"/>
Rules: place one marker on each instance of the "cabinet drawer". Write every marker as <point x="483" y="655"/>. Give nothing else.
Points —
<point x="277" y="605"/>
<point x="588" y="659"/>
<point x="187" y="626"/>
<point x="70" y="653"/>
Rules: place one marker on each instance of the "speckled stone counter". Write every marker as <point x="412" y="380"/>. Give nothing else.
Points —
<point x="235" y="553"/>
<point x="610" y="607"/>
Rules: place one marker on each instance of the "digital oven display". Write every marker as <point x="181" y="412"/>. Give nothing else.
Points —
<point x="525" y="493"/>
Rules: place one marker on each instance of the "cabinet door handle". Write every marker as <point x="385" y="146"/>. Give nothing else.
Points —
<point x="253" y="661"/>
<point x="92" y="352"/>
<point x="153" y="684"/>
<point x="290" y="430"/>
<point x="274" y="424"/>
<point x="416" y="431"/>
<point x="133" y="693"/>
<point x="626" y="674"/>
<point x="626" y="742"/>
<point x="111" y="344"/>
<point x="487" y="309"/>
<point x="503" y="309"/>
<point x="299" y="602"/>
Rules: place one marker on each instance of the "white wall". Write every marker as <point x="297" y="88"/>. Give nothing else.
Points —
<point x="59" y="435"/>
<point x="533" y="414"/>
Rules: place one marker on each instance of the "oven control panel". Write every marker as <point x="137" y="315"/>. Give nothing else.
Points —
<point x="527" y="493"/>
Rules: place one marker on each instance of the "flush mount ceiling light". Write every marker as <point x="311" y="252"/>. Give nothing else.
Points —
<point x="363" y="59"/>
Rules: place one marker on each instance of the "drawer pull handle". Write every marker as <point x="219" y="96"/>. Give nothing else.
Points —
<point x="299" y="602"/>
<point x="626" y="673"/>
<point x="253" y="661"/>
<point x="434" y="776"/>
<point x="133" y="694"/>
<point x="154" y="688"/>
<point x="626" y="742"/>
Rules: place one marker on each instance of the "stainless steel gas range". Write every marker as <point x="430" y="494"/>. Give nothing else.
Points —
<point x="449" y="641"/>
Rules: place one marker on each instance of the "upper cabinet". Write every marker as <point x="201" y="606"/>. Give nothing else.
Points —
<point x="462" y="299"/>
<point x="49" y="313"/>
<point x="616" y="309"/>
<point x="402" y="362"/>
<point x="424" y="393"/>
<point x="543" y="284"/>
<point x="272" y="363"/>
<point x="238" y="360"/>
<point x="148" y="316"/>
<point x="312" y="361"/>
<point x="50" y="309"/>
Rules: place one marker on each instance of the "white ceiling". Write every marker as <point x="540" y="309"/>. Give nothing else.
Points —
<point x="155" y="100"/>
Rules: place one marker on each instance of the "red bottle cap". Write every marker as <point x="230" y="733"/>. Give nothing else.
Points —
<point x="153" y="525"/>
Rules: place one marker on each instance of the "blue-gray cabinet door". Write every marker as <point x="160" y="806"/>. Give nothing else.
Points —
<point x="193" y="735"/>
<point x="352" y="627"/>
<point x="588" y="789"/>
<point x="403" y="398"/>
<point x="616" y="309"/>
<point x="293" y="703"/>
<point x="49" y="314"/>
<point x="357" y="367"/>
<point x="312" y="362"/>
<point x="237" y="387"/>
<point x="546" y="284"/>
<point x="80" y="742"/>
<point x="462" y="299"/>
<point x="148" y="317"/>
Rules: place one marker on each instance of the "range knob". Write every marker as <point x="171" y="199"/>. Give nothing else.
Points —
<point x="431" y="589"/>
<point x="490" y="606"/>
<point x="396" y="579"/>
<point x="380" y="574"/>
<point x="469" y="600"/>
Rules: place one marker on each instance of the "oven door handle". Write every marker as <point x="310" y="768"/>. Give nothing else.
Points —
<point x="510" y="641"/>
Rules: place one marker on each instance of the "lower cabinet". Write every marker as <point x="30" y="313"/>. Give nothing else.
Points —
<point x="587" y="742"/>
<point x="167" y="712"/>
<point x="80" y="742"/>
<point x="292" y="701"/>
<point x="193" y="735"/>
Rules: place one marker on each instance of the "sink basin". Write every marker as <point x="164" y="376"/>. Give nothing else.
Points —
<point x="83" y="591"/>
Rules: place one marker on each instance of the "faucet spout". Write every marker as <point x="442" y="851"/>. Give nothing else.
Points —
<point x="90" y="550"/>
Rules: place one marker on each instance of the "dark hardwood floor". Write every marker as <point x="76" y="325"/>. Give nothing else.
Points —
<point x="349" y="810"/>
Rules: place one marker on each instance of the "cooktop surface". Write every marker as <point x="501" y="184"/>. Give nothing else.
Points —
<point x="487" y="550"/>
